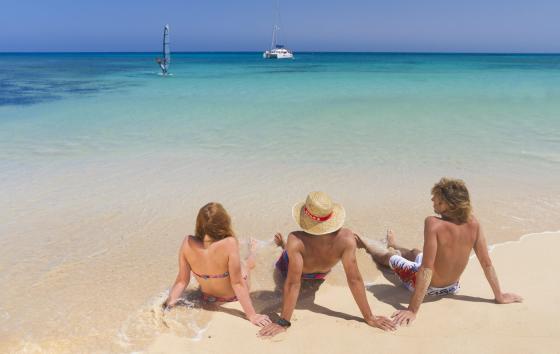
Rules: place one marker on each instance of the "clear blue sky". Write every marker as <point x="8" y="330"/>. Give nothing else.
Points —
<point x="307" y="25"/>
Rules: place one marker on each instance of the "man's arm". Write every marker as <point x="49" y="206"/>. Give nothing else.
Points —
<point x="481" y="251"/>
<point x="293" y="279"/>
<point x="356" y="285"/>
<point x="182" y="280"/>
<point x="423" y="277"/>
<point x="292" y="285"/>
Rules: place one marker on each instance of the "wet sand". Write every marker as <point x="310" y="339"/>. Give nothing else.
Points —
<point x="87" y="249"/>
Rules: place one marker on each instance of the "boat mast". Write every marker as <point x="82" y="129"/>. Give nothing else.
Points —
<point x="276" y="27"/>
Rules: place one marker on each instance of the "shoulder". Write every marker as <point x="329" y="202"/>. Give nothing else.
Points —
<point x="294" y="242"/>
<point x="432" y="221"/>
<point x="228" y="243"/>
<point x="186" y="242"/>
<point x="473" y="224"/>
<point x="473" y="221"/>
<point x="432" y="224"/>
<point x="186" y="247"/>
<point x="347" y="237"/>
<point x="226" y="247"/>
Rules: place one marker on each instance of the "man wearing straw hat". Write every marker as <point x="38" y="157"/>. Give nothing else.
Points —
<point x="310" y="254"/>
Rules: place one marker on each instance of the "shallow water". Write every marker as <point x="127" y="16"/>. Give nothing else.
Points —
<point x="104" y="164"/>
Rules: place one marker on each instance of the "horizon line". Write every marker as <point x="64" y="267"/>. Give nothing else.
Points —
<point x="302" y="52"/>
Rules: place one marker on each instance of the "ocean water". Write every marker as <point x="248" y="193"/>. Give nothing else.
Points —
<point x="104" y="164"/>
<point x="73" y="105"/>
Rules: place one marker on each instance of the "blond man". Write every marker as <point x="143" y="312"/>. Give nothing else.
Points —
<point x="448" y="242"/>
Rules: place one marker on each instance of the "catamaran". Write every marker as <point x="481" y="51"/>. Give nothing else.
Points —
<point x="166" y="53"/>
<point x="277" y="51"/>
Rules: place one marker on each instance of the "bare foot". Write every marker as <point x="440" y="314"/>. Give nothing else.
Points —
<point x="391" y="239"/>
<point x="359" y="242"/>
<point x="250" y="262"/>
<point x="279" y="240"/>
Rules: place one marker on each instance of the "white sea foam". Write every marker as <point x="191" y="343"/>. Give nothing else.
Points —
<point x="186" y="320"/>
<point x="530" y="235"/>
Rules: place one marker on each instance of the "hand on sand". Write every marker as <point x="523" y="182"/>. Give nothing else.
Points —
<point x="165" y="307"/>
<point x="271" y="330"/>
<point x="260" y="320"/>
<point x="403" y="317"/>
<point x="381" y="322"/>
<point x="508" y="298"/>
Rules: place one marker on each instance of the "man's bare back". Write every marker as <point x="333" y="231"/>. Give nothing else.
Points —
<point x="321" y="253"/>
<point x="311" y="257"/>
<point x="454" y="245"/>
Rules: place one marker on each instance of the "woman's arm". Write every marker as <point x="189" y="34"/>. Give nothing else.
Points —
<point x="183" y="277"/>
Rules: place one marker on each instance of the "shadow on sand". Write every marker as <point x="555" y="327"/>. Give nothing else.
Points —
<point x="398" y="296"/>
<point x="270" y="302"/>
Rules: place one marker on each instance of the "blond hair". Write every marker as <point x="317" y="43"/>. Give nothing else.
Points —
<point x="455" y="193"/>
<point x="214" y="221"/>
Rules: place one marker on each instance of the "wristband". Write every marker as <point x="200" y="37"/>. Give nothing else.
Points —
<point x="283" y="322"/>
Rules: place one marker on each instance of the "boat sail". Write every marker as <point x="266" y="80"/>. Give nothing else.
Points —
<point x="277" y="51"/>
<point x="165" y="60"/>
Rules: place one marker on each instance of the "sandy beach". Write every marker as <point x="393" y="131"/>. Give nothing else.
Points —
<point x="466" y="323"/>
<point x="101" y="182"/>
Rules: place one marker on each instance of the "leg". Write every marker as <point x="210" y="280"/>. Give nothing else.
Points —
<point x="379" y="254"/>
<point x="249" y="262"/>
<point x="407" y="253"/>
<point x="281" y="266"/>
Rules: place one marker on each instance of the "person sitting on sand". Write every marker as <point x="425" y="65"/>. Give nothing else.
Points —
<point x="309" y="255"/>
<point x="212" y="255"/>
<point x="448" y="241"/>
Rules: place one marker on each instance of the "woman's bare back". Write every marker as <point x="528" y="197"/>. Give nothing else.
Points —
<point x="209" y="264"/>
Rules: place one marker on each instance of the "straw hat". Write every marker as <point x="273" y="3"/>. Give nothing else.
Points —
<point x="318" y="215"/>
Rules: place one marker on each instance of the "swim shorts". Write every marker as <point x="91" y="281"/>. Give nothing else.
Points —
<point x="406" y="271"/>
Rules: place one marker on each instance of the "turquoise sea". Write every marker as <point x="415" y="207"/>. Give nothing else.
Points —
<point x="104" y="163"/>
<point x="346" y="108"/>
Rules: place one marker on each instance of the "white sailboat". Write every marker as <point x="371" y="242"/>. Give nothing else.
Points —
<point x="165" y="59"/>
<point x="277" y="51"/>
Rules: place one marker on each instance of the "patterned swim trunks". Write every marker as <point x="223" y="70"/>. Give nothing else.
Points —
<point x="406" y="271"/>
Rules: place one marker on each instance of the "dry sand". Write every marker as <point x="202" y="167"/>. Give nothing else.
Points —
<point x="467" y="323"/>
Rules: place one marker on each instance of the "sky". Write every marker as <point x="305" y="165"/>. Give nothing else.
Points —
<point x="306" y="25"/>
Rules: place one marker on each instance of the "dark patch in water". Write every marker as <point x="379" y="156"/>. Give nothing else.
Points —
<point x="27" y="79"/>
<point x="32" y="92"/>
<point x="23" y="100"/>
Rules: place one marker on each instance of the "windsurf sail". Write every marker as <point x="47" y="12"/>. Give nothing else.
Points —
<point x="165" y="60"/>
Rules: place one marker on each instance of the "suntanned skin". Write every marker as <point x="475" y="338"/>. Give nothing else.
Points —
<point x="447" y="247"/>
<point x="312" y="254"/>
<point x="212" y="258"/>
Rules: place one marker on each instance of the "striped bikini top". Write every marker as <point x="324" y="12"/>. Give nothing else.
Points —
<point x="212" y="276"/>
